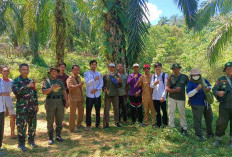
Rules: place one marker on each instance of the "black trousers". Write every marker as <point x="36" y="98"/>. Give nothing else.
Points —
<point x="161" y="105"/>
<point x="89" y="105"/>
<point x="2" y="119"/>
<point x="122" y="108"/>
<point x="136" y="111"/>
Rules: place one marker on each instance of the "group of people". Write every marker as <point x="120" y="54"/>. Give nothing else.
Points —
<point x="146" y="93"/>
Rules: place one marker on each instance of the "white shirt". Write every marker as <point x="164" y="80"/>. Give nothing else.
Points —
<point x="6" y="101"/>
<point x="92" y="84"/>
<point x="159" y="89"/>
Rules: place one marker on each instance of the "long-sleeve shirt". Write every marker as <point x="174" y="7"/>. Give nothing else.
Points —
<point x="159" y="89"/>
<point x="196" y="97"/>
<point x="91" y="84"/>
<point x="132" y="83"/>
<point x="26" y="97"/>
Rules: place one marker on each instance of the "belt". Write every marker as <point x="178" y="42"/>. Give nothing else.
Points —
<point x="54" y="96"/>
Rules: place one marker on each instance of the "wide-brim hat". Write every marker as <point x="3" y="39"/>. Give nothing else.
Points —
<point x="53" y="68"/>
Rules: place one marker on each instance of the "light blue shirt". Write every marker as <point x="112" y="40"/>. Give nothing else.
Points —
<point x="92" y="84"/>
<point x="159" y="89"/>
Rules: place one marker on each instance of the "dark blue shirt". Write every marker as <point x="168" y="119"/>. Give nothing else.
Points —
<point x="199" y="98"/>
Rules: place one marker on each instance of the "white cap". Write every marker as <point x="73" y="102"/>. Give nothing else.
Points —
<point x="136" y="65"/>
<point x="112" y="65"/>
<point x="195" y="71"/>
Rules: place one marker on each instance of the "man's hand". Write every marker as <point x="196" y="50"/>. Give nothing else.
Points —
<point x="199" y="87"/>
<point x="207" y="89"/>
<point x="67" y="104"/>
<point x="168" y="89"/>
<point x="37" y="108"/>
<point x="118" y="79"/>
<point x="55" y="86"/>
<point x="162" y="99"/>
<point x="97" y="78"/>
<point x="93" y="91"/>
<point x="31" y="84"/>
<point x="156" y="82"/>
<point x="137" y="93"/>
<point x="7" y="113"/>
<point x="136" y="75"/>
<point x="220" y="93"/>
<point x="82" y="99"/>
<point x="105" y="90"/>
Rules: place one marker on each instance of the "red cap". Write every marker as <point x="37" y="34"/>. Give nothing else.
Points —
<point x="146" y="66"/>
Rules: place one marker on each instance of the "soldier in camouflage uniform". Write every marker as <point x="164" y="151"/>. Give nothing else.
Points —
<point x="223" y="92"/>
<point x="26" y="107"/>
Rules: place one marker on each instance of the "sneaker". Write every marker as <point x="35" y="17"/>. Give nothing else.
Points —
<point x="201" y="138"/>
<point x="141" y="125"/>
<point x="132" y="123"/>
<point x="75" y="130"/>
<point x="22" y="147"/>
<point x="117" y="124"/>
<point x="185" y="132"/>
<point x="58" y="137"/>
<point x="87" y="128"/>
<point x="106" y="126"/>
<point x="216" y="143"/>
<point x="209" y="136"/>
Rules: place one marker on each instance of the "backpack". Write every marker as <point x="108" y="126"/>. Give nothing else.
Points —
<point x="163" y="78"/>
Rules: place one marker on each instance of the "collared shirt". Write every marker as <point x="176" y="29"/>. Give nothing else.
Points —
<point x="159" y="89"/>
<point x="76" y="93"/>
<point x="63" y="78"/>
<point x="122" y="90"/>
<point x="132" y="83"/>
<point x="144" y="82"/>
<point x="5" y="86"/>
<point x="92" y="84"/>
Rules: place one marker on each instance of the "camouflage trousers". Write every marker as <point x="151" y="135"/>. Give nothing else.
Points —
<point x="24" y="118"/>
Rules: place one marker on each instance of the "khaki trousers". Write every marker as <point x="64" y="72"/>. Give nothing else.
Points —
<point x="148" y="104"/>
<point x="172" y="103"/>
<point x="75" y="106"/>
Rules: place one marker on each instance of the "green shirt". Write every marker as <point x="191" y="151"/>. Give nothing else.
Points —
<point x="182" y="82"/>
<point x="222" y="84"/>
<point x="122" y="89"/>
<point x="48" y="84"/>
<point x="110" y="84"/>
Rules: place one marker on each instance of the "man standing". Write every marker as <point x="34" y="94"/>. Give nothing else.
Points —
<point x="62" y="76"/>
<point x="196" y="89"/>
<point x="122" y="92"/>
<point x="111" y="83"/>
<point x="76" y="98"/>
<point x="158" y="83"/>
<point x="144" y="82"/>
<point x="54" y="104"/>
<point x="176" y="88"/>
<point x="94" y="83"/>
<point x="26" y="107"/>
<point x="7" y="87"/>
<point x="135" y="96"/>
<point x="223" y="92"/>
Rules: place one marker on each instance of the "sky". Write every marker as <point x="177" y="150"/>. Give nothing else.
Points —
<point x="160" y="8"/>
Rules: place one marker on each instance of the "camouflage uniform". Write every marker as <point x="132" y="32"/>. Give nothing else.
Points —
<point x="25" y="108"/>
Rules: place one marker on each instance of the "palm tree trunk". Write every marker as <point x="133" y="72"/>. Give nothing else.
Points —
<point x="34" y="43"/>
<point x="60" y="30"/>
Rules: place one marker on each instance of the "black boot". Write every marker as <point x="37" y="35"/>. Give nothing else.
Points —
<point x="21" y="146"/>
<point x="50" y="141"/>
<point x="32" y="143"/>
<point x="183" y="131"/>
<point x="58" y="137"/>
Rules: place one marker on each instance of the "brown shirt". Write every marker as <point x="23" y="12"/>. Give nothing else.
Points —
<point x="76" y="93"/>
<point x="144" y="81"/>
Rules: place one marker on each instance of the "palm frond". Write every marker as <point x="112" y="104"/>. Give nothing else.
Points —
<point x="189" y="8"/>
<point x="137" y="28"/>
<point x="223" y="37"/>
<point x="209" y="9"/>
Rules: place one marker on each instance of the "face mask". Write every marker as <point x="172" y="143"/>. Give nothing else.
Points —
<point x="196" y="77"/>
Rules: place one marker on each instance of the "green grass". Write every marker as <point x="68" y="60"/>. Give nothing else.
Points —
<point x="125" y="141"/>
